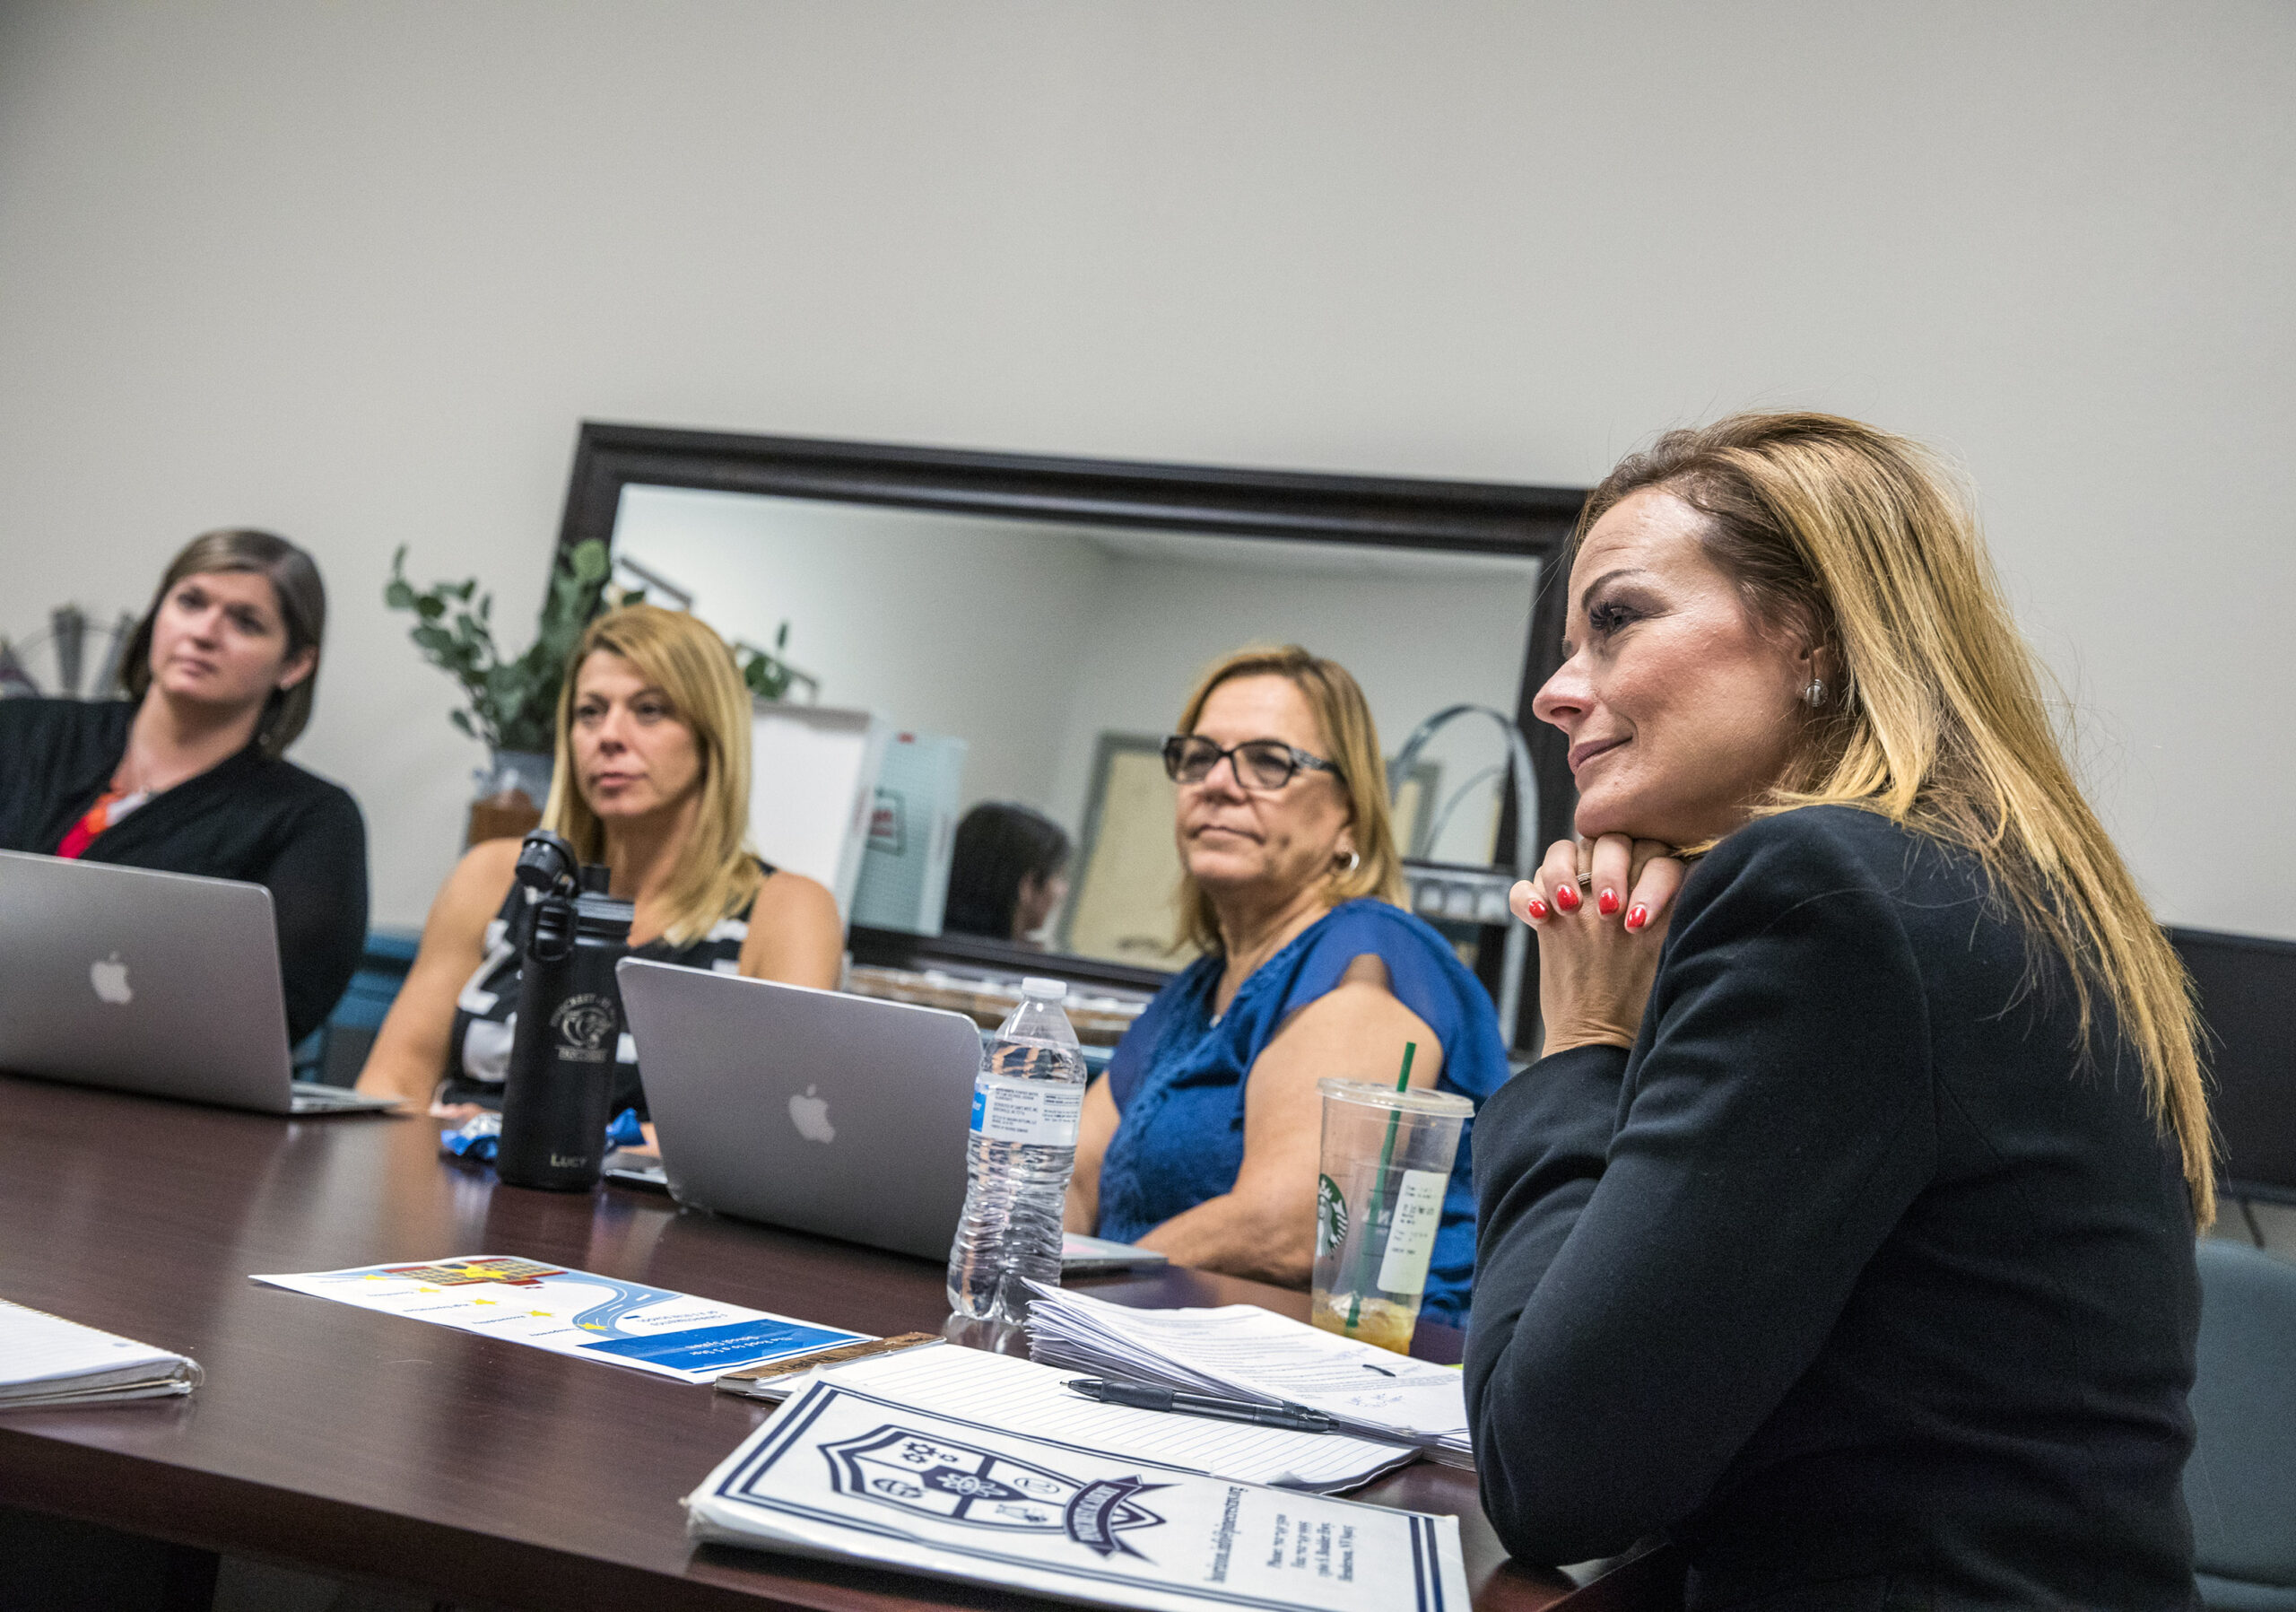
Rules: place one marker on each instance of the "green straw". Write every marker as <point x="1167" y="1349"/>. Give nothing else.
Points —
<point x="1378" y="1188"/>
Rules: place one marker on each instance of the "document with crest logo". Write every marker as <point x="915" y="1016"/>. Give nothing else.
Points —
<point x="574" y="1312"/>
<point x="844" y="1473"/>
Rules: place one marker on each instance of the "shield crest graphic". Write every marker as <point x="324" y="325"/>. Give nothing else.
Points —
<point x="935" y="1476"/>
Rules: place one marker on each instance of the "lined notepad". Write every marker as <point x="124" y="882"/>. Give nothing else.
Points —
<point x="1021" y="1397"/>
<point x="46" y="1360"/>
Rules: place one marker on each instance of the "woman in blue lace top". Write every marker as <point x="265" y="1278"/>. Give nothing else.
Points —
<point x="1203" y="1138"/>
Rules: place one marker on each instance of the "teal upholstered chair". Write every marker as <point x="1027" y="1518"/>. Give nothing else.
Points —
<point x="2241" y="1484"/>
<point x="335" y="1053"/>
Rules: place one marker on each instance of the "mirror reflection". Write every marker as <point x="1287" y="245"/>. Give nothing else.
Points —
<point x="1003" y="687"/>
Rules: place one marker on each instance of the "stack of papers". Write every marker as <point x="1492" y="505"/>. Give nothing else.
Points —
<point x="1243" y="1352"/>
<point x="47" y="1361"/>
<point x="1088" y="1256"/>
<point x="1035" y="1400"/>
<point x="860" y="1476"/>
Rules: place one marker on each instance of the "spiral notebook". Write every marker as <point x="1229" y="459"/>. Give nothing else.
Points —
<point x="48" y="1361"/>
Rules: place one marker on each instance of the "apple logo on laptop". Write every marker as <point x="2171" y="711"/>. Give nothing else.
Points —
<point x="110" y="981"/>
<point x="809" y="1115"/>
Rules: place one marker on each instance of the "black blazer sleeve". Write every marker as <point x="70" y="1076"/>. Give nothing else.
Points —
<point x="1662" y="1254"/>
<point x="317" y="882"/>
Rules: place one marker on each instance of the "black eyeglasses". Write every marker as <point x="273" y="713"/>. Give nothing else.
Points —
<point x="1257" y="763"/>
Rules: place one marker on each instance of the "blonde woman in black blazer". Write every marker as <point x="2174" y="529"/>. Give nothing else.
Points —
<point x="1844" y="1234"/>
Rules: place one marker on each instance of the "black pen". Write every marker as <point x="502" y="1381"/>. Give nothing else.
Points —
<point x="1141" y="1396"/>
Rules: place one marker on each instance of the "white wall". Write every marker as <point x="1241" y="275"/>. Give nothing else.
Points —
<point x="356" y="272"/>
<point x="909" y="615"/>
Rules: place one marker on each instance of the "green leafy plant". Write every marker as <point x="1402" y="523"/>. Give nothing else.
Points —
<point x="767" y="674"/>
<point x="513" y="703"/>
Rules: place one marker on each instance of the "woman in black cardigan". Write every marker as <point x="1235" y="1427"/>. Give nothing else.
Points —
<point x="1844" y="1234"/>
<point x="186" y="775"/>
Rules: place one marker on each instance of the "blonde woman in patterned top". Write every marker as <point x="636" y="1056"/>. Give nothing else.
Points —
<point x="652" y="780"/>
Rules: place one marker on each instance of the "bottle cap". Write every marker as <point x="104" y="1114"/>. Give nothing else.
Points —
<point x="1045" y="991"/>
<point x="603" y="918"/>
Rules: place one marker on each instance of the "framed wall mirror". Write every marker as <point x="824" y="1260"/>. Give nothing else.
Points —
<point x="1031" y="626"/>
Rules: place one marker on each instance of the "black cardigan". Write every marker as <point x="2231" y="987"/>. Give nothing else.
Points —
<point x="266" y="822"/>
<point x="1848" y="1277"/>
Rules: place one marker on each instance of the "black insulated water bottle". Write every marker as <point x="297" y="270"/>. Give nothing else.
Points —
<point x="569" y="1024"/>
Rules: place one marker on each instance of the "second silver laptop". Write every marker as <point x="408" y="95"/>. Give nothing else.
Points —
<point x="841" y="1115"/>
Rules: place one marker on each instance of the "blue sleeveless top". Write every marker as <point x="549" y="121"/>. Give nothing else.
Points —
<point x="1177" y="1077"/>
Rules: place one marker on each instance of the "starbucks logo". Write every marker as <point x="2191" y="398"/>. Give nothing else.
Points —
<point x="1331" y="1215"/>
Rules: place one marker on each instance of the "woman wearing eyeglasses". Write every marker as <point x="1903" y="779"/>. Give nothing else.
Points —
<point x="1202" y="1141"/>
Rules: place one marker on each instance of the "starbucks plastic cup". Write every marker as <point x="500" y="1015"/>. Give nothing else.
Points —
<point x="1386" y="1166"/>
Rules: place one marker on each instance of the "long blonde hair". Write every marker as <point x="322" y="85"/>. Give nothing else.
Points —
<point x="1346" y="717"/>
<point x="1862" y="540"/>
<point x="717" y="873"/>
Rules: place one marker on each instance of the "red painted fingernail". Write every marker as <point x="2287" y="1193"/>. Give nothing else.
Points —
<point x="1607" y="902"/>
<point x="1567" y="898"/>
<point x="1638" y="917"/>
<point x="1538" y="907"/>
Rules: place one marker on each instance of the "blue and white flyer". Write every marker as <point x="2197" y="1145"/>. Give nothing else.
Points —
<point x="843" y="1473"/>
<point x="574" y="1312"/>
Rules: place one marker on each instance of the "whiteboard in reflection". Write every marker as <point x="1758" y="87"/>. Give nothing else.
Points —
<point x="813" y="781"/>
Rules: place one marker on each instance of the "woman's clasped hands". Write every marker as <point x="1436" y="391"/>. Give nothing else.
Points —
<point x="1601" y="909"/>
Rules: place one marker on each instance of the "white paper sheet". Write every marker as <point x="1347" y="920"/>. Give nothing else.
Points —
<point x="573" y="1312"/>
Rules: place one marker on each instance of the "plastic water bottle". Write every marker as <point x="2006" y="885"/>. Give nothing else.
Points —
<point x="1026" y="1102"/>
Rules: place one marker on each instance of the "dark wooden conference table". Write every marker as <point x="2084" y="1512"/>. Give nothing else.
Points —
<point x="474" y="1470"/>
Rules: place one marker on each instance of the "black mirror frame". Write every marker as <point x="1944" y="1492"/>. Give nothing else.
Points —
<point x="1474" y="518"/>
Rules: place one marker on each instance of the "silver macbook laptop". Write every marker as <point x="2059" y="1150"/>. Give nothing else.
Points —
<point x="841" y="1115"/>
<point x="155" y="982"/>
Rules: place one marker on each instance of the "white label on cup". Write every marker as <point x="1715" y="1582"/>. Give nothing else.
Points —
<point x="1411" y="1235"/>
<point x="1040" y="1113"/>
